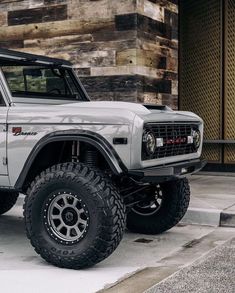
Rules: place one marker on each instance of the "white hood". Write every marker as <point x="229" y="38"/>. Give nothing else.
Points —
<point x="133" y="107"/>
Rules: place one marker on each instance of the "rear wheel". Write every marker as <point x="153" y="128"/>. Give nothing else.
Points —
<point x="166" y="206"/>
<point x="74" y="216"/>
<point x="7" y="201"/>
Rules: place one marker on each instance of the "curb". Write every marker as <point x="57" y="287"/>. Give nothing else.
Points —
<point x="209" y="217"/>
<point x="227" y="219"/>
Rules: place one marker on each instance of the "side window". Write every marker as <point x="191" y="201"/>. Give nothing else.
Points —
<point x="71" y="83"/>
<point x="40" y="82"/>
<point x="2" y="102"/>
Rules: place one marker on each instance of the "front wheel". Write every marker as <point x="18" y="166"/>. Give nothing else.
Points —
<point x="74" y="216"/>
<point x="166" y="206"/>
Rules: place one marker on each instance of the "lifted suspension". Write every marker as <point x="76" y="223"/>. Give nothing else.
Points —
<point x="134" y="192"/>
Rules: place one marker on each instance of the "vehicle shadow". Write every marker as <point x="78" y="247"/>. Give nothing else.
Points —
<point x="11" y="226"/>
<point x="15" y="249"/>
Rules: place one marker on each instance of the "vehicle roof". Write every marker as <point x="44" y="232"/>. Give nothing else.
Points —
<point x="14" y="57"/>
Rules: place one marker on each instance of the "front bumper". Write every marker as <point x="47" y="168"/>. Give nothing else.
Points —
<point x="168" y="172"/>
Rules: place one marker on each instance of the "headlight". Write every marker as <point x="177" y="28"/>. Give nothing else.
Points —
<point x="196" y="138"/>
<point x="149" y="141"/>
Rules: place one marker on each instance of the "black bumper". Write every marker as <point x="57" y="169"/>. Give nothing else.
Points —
<point x="168" y="172"/>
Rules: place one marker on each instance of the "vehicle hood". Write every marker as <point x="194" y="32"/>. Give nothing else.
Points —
<point x="99" y="112"/>
<point x="102" y="105"/>
<point x="146" y="111"/>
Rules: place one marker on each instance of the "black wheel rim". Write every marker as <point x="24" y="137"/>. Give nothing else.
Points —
<point x="66" y="217"/>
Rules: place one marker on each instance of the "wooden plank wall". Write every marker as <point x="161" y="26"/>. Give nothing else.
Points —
<point x="122" y="50"/>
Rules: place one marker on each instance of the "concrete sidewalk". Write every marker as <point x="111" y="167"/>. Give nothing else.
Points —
<point x="23" y="271"/>
<point x="212" y="201"/>
<point x="140" y="261"/>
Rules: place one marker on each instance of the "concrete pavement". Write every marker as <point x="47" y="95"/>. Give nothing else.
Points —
<point x="167" y="266"/>
<point x="23" y="271"/>
<point x="212" y="200"/>
<point x="140" y="262"/>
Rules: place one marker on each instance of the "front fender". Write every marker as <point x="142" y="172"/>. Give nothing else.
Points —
<point x="90" y="137"/>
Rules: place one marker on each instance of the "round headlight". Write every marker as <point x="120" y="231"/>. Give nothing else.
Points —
<point x="196" y="138"/>
<point x="149" y="141"/>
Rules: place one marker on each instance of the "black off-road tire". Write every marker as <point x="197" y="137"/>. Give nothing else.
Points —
<point x="7" y="201"/>
<point x="175" y="202"/>
<point x="105" y="207"/>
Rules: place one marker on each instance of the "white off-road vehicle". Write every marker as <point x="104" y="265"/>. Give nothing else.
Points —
<point x="88" y="169"/>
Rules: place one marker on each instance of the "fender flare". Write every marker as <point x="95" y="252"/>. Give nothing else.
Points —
<point x="90" y="137"/>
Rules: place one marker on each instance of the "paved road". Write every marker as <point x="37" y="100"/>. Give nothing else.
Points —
<point x="213" y="273"/>
<point x="22" y="271"/>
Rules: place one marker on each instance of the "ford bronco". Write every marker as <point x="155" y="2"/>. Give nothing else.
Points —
<point x="88" y="169"/>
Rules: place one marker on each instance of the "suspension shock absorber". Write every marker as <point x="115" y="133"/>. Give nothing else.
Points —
<point x="75" y="151"/>
<point x="91" y="157"/>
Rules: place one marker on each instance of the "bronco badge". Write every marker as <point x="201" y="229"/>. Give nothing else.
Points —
<point x="18" y="131"/>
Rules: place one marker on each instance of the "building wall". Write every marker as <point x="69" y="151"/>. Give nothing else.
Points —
<point x="207" y="71"/>
<point x="122" y="50"/>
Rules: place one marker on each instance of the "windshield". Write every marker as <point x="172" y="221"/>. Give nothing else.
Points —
<point x="42" y="82"/>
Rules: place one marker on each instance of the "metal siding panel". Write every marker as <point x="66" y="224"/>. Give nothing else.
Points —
<point x="229" y="115"/>
<point x="200" y="66"/>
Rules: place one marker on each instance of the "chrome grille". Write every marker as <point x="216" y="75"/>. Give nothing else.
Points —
<point x="175" y="140"/>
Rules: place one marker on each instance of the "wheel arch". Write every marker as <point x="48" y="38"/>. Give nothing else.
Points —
<point x="97" y="141"/>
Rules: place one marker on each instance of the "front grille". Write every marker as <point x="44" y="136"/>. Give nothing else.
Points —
<point x="175" y="140"/>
